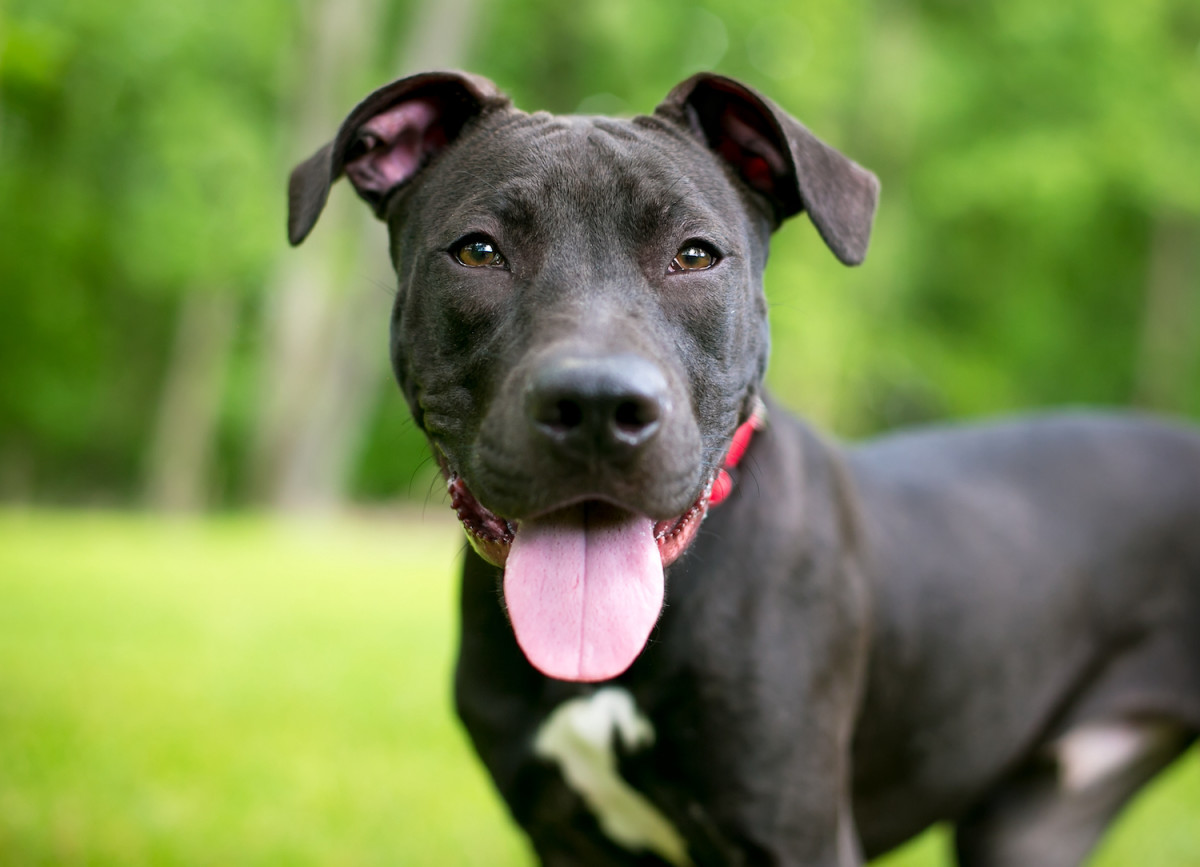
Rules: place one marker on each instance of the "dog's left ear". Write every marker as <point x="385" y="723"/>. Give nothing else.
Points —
<point x="776" y="156"/>
<point x="386" y="140"/>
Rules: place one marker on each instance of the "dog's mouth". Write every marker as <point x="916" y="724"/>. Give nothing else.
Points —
<point x="583" y="584"/>
<point x="492" y="536"/>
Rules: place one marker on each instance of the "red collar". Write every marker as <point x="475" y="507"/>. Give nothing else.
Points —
<point x="723" y="484"/>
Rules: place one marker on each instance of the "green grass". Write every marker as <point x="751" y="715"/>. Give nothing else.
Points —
<point x="241" y="691"/>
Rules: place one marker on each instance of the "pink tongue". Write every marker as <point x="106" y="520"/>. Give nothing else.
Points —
<point x="584" y="587"/>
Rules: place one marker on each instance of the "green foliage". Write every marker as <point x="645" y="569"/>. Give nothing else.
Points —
<point x="133" y="143"/>
<point x="1054" y="139"/>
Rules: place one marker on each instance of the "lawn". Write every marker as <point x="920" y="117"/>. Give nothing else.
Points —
<point x="243" y="691"/>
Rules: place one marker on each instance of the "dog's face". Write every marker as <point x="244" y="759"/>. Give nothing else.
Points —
<point x="549" y="259"/>
<point x="579" y="325"/>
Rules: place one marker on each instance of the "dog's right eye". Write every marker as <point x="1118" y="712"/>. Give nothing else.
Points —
<point x="478" y="251"/>
<point x="693" y="256"/>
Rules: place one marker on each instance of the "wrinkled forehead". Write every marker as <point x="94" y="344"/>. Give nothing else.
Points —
<point x="633" y="176"/>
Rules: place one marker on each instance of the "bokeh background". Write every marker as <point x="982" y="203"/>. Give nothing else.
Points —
<point x="226" y="565"/>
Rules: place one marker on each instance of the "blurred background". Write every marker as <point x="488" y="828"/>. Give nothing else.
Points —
<point x="161" y="345"/>
<point x="233" y="686"/>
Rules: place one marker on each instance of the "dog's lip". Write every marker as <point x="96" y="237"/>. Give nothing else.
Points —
<point x="491" y="535"/>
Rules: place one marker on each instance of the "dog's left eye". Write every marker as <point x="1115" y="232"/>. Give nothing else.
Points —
<point x="478" y="252"/>
<point x="693" y="257"/>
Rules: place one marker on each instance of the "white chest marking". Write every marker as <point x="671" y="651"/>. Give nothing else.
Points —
<point x="1094" y="753"/>
<point x="579" y="736"/>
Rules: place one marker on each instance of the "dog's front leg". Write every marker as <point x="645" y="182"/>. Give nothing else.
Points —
<point x="754" y="714"/>
<point x="775" y="657"/>
<point x="775" y="791"/>
<point x="790" y="831"/>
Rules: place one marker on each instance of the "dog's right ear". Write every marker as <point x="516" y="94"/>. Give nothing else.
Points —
<point x="386" y="140"/>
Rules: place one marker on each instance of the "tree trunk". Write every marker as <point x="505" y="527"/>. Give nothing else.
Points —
<point x="180" y="459"/>
<point x="1168" y="340"/>
<point x="326" y="336"/>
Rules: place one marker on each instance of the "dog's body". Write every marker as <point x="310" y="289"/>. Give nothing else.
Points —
<point x="997" y="626"/>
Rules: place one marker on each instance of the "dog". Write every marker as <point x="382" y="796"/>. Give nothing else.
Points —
<point x="694" y="631"/>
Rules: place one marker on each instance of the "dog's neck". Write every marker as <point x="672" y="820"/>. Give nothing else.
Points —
<point x="723" y="483"/>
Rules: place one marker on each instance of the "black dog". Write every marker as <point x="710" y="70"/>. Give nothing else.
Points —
<point x="996" y="626"/>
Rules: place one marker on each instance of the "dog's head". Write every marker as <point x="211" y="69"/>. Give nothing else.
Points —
<point x="579" y="325"/>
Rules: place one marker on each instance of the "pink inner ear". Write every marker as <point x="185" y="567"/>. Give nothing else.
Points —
<point x="398" y="140"/>
<point x="751" y="152"/>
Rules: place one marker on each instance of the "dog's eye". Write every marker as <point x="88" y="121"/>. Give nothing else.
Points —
<point x="478" y="252"/>
<point x="693" y="257"/>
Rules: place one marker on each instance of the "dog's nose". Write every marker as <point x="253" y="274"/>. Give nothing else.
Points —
<point x="598" y="407"/>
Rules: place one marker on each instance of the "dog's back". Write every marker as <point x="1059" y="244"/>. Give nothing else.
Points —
<point x="1031" y="579"/>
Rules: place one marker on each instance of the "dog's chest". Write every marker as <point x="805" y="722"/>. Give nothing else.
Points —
<point x="583" y="737"/>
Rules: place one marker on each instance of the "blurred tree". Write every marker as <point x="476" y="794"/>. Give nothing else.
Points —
<point x="1170" y="331"/>
<point x="321" y="378"/>
<point x="304" y="355"/>
<point x="182" y="449"/>
<point x="111" y="190"/>
<point x="1056" y="146"/>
